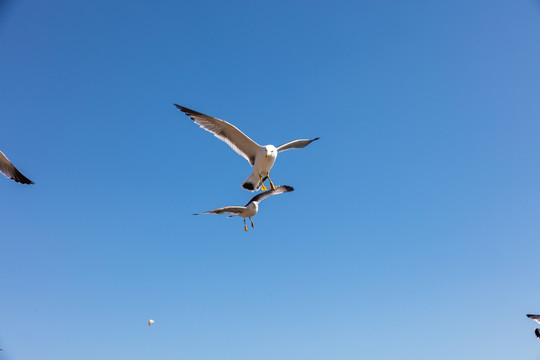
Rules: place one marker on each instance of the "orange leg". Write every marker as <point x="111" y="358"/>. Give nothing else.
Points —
<point x="263" y="188"/>
<point x="271" y="183"/>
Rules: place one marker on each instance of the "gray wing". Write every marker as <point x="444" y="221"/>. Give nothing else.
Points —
<point x="226" y="132"/>
<point x="235" y="210"/>
<point x="534" y="317"/>
<point x="7" y="168"/>
<point x="295" y="144"/>
<point x="279" y="190"/>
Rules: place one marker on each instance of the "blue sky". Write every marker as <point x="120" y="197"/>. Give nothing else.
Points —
<point x="413" y="229"/>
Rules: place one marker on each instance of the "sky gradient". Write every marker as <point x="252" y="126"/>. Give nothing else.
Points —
<point x="413" y="230"/>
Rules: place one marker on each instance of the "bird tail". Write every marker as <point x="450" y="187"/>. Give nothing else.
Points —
<point x="253" y="182"/>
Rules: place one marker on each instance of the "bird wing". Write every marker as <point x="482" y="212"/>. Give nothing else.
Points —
<point x="226" y="132"/>
<point x="235" y="210"/>
<point x="534" y="317"/>
<point x="279" y="190"/>
<point x="537" y="332"/>
<point x="295" y="144"/>
<point x="7" y="168"/>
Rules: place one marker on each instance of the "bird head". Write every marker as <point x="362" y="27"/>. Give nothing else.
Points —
<point x="271" y="151"/>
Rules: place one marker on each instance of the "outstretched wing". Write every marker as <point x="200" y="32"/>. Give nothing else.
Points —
<point x="226" y="132"/>
<point x="279" y="190"/>
<point x="534" y="317"/>
<point x="7" y="168"/>
<point x="295" y="144"/>
<point x="234" y="210"/>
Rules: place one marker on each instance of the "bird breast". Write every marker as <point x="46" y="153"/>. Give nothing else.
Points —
<point x="264" y="163"/>
<point x="251" y="209"/>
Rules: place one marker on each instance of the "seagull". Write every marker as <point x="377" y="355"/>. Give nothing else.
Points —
<point x="7" y="168"/>
<point x="251" y="207"/>
<point x="262" y="158"/>
<point x="537" y="319"/>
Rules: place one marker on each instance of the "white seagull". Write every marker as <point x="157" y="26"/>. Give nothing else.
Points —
<point x="7" y="168"/>
<point x="537" y="319"/>
<point x="251" y="207"/>
<point x="262" y="158"/>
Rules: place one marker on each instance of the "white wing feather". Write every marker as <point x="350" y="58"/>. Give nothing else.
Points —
<point x="295" y="144"/>
<point x="226" y="132"/>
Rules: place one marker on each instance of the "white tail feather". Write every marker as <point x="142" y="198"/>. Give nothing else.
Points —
<point x="252" y="183"/>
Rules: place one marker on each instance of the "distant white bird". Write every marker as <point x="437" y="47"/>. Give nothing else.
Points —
<point x="251" y="207"/>
<point x="7" y="168"/>
<point x="262" y="158"/>
<point x="537" y="319"/>
<point x="150" y="322"/>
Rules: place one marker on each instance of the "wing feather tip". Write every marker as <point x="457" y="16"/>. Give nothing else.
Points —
<point x="23" y="181"/>
<point x="185" y="110"/>
<point x="288" y="188"/>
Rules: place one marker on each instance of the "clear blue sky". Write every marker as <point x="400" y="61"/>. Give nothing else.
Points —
<point x="413" y="232"/>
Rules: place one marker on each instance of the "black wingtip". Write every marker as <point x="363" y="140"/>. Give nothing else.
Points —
<point x="183" y="109"/>
<point x="287" y="187"/>
<point x="22" y="180"/>
<point x="317" y="138"/>
<point x="190" y="113"/>
<point x="537" y="333"/>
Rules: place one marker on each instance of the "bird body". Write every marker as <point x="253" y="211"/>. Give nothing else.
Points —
<point x="251" y="208"/>
<point x="262" y="158"/>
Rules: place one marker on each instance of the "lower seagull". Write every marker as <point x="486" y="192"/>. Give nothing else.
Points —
<point x="251" y="207"/>
<point x="537" y="319"/>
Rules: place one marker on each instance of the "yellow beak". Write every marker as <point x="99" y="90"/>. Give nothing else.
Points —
<point x="267" y="154"/>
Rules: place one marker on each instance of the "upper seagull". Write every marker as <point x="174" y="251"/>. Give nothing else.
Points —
<point x="7" y="168"/>
<point x="262" y="158"/>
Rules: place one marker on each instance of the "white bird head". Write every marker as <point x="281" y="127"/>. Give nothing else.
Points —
<point x="271" y="151"/>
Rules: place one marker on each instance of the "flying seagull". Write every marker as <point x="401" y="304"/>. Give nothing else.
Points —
<point x="7" y="168"/>
<point x="260" y="157"/>
<point x="537" y="319"/>
<point x="251" y="207"/>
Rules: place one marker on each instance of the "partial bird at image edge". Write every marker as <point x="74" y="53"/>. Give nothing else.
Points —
<point x="11" y="172"/>
<point x="537" y="319"/>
